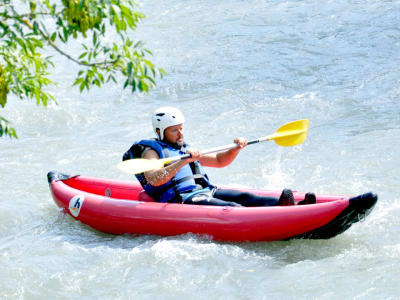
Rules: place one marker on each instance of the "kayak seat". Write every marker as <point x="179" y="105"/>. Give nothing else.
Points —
<point x="143" y="196"/>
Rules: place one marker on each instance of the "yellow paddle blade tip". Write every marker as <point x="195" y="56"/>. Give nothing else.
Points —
<point x="291" y="134"/>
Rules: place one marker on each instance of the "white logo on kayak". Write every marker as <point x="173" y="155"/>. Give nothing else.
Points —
<point x="75" y="205"/>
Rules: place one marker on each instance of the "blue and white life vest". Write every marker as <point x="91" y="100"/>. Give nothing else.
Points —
<point x="187" y="179"/>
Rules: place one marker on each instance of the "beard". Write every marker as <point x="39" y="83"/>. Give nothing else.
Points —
<point x="177" y="145"/>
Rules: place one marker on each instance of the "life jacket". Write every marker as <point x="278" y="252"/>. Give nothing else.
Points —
<point x="187" y="179"/>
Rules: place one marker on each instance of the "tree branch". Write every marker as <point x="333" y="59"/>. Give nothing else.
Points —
<point x="23" y="20"/>
<point x="55" y="47"/>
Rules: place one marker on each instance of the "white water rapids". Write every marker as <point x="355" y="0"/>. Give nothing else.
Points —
<point x="235" y="68"/>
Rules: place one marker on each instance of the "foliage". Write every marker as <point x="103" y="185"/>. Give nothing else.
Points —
<point x="29" y="27"/>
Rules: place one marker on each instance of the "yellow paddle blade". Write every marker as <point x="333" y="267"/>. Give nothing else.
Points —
<point x="140" y="165"/>
<point x="291" y="134"/>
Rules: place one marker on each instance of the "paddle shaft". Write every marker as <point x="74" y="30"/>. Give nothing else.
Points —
<point x="222" y="148"/>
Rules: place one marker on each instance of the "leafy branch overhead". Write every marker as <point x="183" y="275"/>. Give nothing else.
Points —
<point x="29" y="28"/>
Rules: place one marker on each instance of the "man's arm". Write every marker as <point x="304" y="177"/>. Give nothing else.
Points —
<point x="219" y="160"/>
<point x="163" y="175"/>
<point x="223" y="159"/>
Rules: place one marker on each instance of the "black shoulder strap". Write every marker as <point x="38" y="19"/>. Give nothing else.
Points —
<point x="135" y="151"/>
<point x="198" y="177"/>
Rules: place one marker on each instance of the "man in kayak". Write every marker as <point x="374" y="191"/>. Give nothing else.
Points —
<point x="185" y="181"/>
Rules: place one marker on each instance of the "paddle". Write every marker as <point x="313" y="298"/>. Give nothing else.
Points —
<point x="290" y="134"/>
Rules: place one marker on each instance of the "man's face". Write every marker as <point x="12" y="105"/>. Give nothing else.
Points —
<point x="174" y="134"/>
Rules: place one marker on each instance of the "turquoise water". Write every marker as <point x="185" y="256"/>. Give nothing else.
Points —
<point x="235" y="68"/>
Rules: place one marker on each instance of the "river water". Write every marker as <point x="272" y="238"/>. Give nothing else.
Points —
<point x="235" y="68"/>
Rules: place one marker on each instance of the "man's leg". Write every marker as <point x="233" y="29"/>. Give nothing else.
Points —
<point x="245" y="198"/>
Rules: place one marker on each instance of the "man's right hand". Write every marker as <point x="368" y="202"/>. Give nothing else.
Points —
<point x="195" y="155"/>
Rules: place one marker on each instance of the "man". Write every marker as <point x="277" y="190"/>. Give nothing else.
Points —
<point x="185" y="181"/>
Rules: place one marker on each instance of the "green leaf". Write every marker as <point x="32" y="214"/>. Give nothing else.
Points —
<point x="97" y="82"/>
<point x="3" y="100"/>
<point x="53" y="36"/>
<point x="37" y="96"/>
<point x="111" y="77"/>
<point x="47" y="3"/>
<point x="82" y="86"/>
<point x="6" y="129"/>
<point x="129" y="69"/>
<point x="143" y="86"/>
<point x="35" y="27"/>
<point x="31" y="47"/>
<point x="151" y="80"/>
<point x="44" y="98"/>
<point x="126" y="83"/>
<point x="61" y="37"/>
<point x="78" y="81"/>
<point x="12" y="133"/>
<point x="126" y="12"/>
<point x="65" y="33"/>
<point x="81" y="5"/>
<point x="101" y="77"/>
<point x="94" y="38"/>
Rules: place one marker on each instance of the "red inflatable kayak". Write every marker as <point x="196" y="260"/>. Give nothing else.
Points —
<point x="119" y="207"/>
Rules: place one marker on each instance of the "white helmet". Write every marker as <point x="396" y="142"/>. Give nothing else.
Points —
<point x="165" y="117"/>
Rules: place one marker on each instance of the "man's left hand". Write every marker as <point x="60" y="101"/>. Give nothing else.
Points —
<point x="242" y="142"/>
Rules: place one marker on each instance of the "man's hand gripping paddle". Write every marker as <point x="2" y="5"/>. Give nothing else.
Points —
<point x="290" y="134"/>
